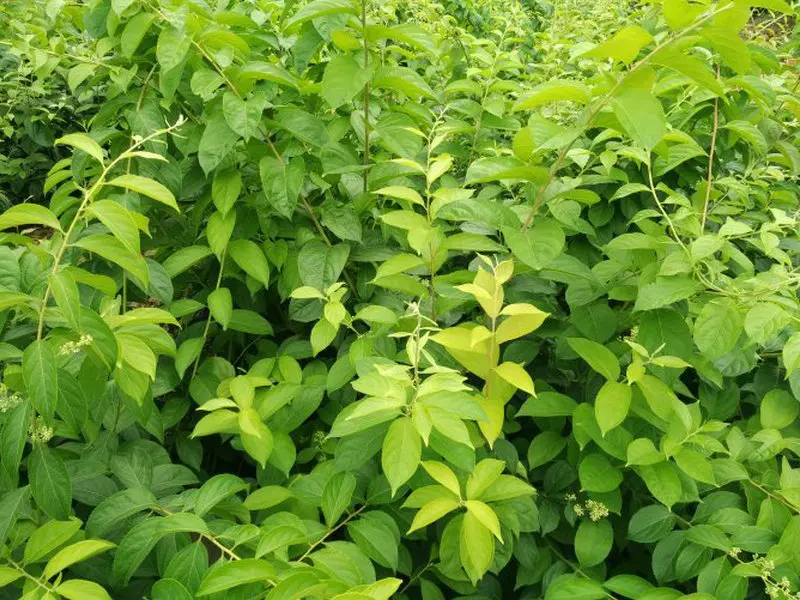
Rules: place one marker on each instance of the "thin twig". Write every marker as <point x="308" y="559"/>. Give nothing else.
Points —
<point x="711" y="161"/>
<point x="316" y="544"/>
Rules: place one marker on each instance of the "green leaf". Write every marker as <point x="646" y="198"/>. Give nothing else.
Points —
<point x="544" y="448"/>
<point x="118" y="507"/>
<point x="82" y="142"/>
<point x="695" y="465"/>
<point x="244" y="116"/>
<point x="81" y="589"/>
<point x="133" y="34"/>
<point x="75" y="553"/>
<point x="553" y="91"/>
<point x="612" y="405"/>
<point x="256" y="436"/>
<point x="663" y="482"/>
<point x="267" y="497"/>
<point x="220" y="304"/>
<point x="40" y="373"/>
<point x="172" y="47"/>
<point x="185" y="258"/>
<point x="650" y="524"/>
<point x="187" y="353"/>
<point x="112" y="250"/>
<point x="403" y="80"/>
<point x="485" y="170"/>
<point x="537" y="246"/>
<point x="217" y="141"/>
<point x="717" y="328"/>
<point x="624" y="46"/>
<point x="281" y="182"/>
<point x="12" y="299"/>
<point x="516" y="375"/>
<point x="597" y="474"/>
<point x="10" y="509"/>
<point x="764" y="321"/>
<point x="486" y="516"/>
<point x="303" y="125"/>
<point x="67" y="297"/>
<point x="336" y="496"/>
<point x="119" y="221"/>
<point x="28" y="214"/>
<point x="321" y="8"/>
<point x="343" y="79"/>
<point x="791" y="354"/>
<point x="641" y="115"/>
<point x="778" y="409"/>
<point x="402" y="448"/>
<point x="572" y="587"/>
<point x="665" y="291"/>
<point x="235" y="573"/>
<point x="215" y="490"/>
<point x="250" y="259"/>
<point x="225" y="189"/>
<point x="600" y="358"/>
<point x="49" y="537"/>
<point x="708" y="536"/>
<point x="147" y="187"/>
<point x="476" y="546"/>
<point x="50" y="482"/>
<point x="593" y="542"/>
<point x="219" y="231"/>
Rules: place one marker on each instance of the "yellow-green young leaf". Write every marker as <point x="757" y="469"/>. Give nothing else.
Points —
<point x="433" y="511"/>
<point x="600" y="358"/>
<point x="623" y="47"/>
<point x="75" y="553"/>
<point x="219" y="421"/>
<point x="663" y="482"/>
<point x="476" y="546"/>
<point x="402" y="193"/>
<point x="82" y="142"/>
<point x="267" y="497"/>
<point x="695" y="465"/>
<point x="147" y="187"/>
<point x="399" y="264"/>
<point x="680" y="13"/>
<point x="400" y="456"/>
<point x="225" y="576"/>
<point x="242" y="390"/>
<point x="486" y="516"/>
<point x="520" y="320"/>
<point x="405" y="219"/>
<point x="321" y="8"/>
<point x="554" y="91"/>
<point x="8" y="575"/>
<point x="611" y="405"/>
<point x="307" y="293"/>
<point x="442" y="474"/>
<point x="256" y="436"/>
<point x="660" y="398"/>
<point x="65" y="292"/>
<point x="48" y="537"/>
<point x="220" y="304"/>
<point x="250" y="259"/>
<point x="516" y="375"/>
<point x="81" y="589"/>
<point x="642" y="451"/>
<point x="641" y="115"/>
<point x="322" y="334"/>
<point x="118" y="220"/>
<point x="483" y="476"/>
<point x="28" y="214"/>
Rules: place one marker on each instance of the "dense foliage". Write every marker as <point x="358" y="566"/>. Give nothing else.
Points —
<point x="353" y="300"/>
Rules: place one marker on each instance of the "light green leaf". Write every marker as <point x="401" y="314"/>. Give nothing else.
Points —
<point x="343" y="79"/>
<point x="220" y="303"/>
<point x="553" y="91"/>
<point x="147" y="187"/>
<point x="228" y="575"/>
<point x="593" y="542"/>
<point x="28" y="214"/>
<point x="611" y="405"/>
<point x="82" y="142"/>
<point x="402" y="448"/>
<point x="75" y="553"/>
<point x="641" y="115"/>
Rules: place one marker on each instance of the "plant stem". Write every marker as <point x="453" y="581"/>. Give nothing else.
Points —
<point x="710" y="162"/>
<point x="367" y="92"/>
<point x="316" y="544"/>
<point x="208" y="318"/>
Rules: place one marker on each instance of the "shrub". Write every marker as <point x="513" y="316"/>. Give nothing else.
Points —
<point x="340" y="300"/>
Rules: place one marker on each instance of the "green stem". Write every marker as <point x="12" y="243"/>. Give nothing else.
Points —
<point x="367" y="92"/>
